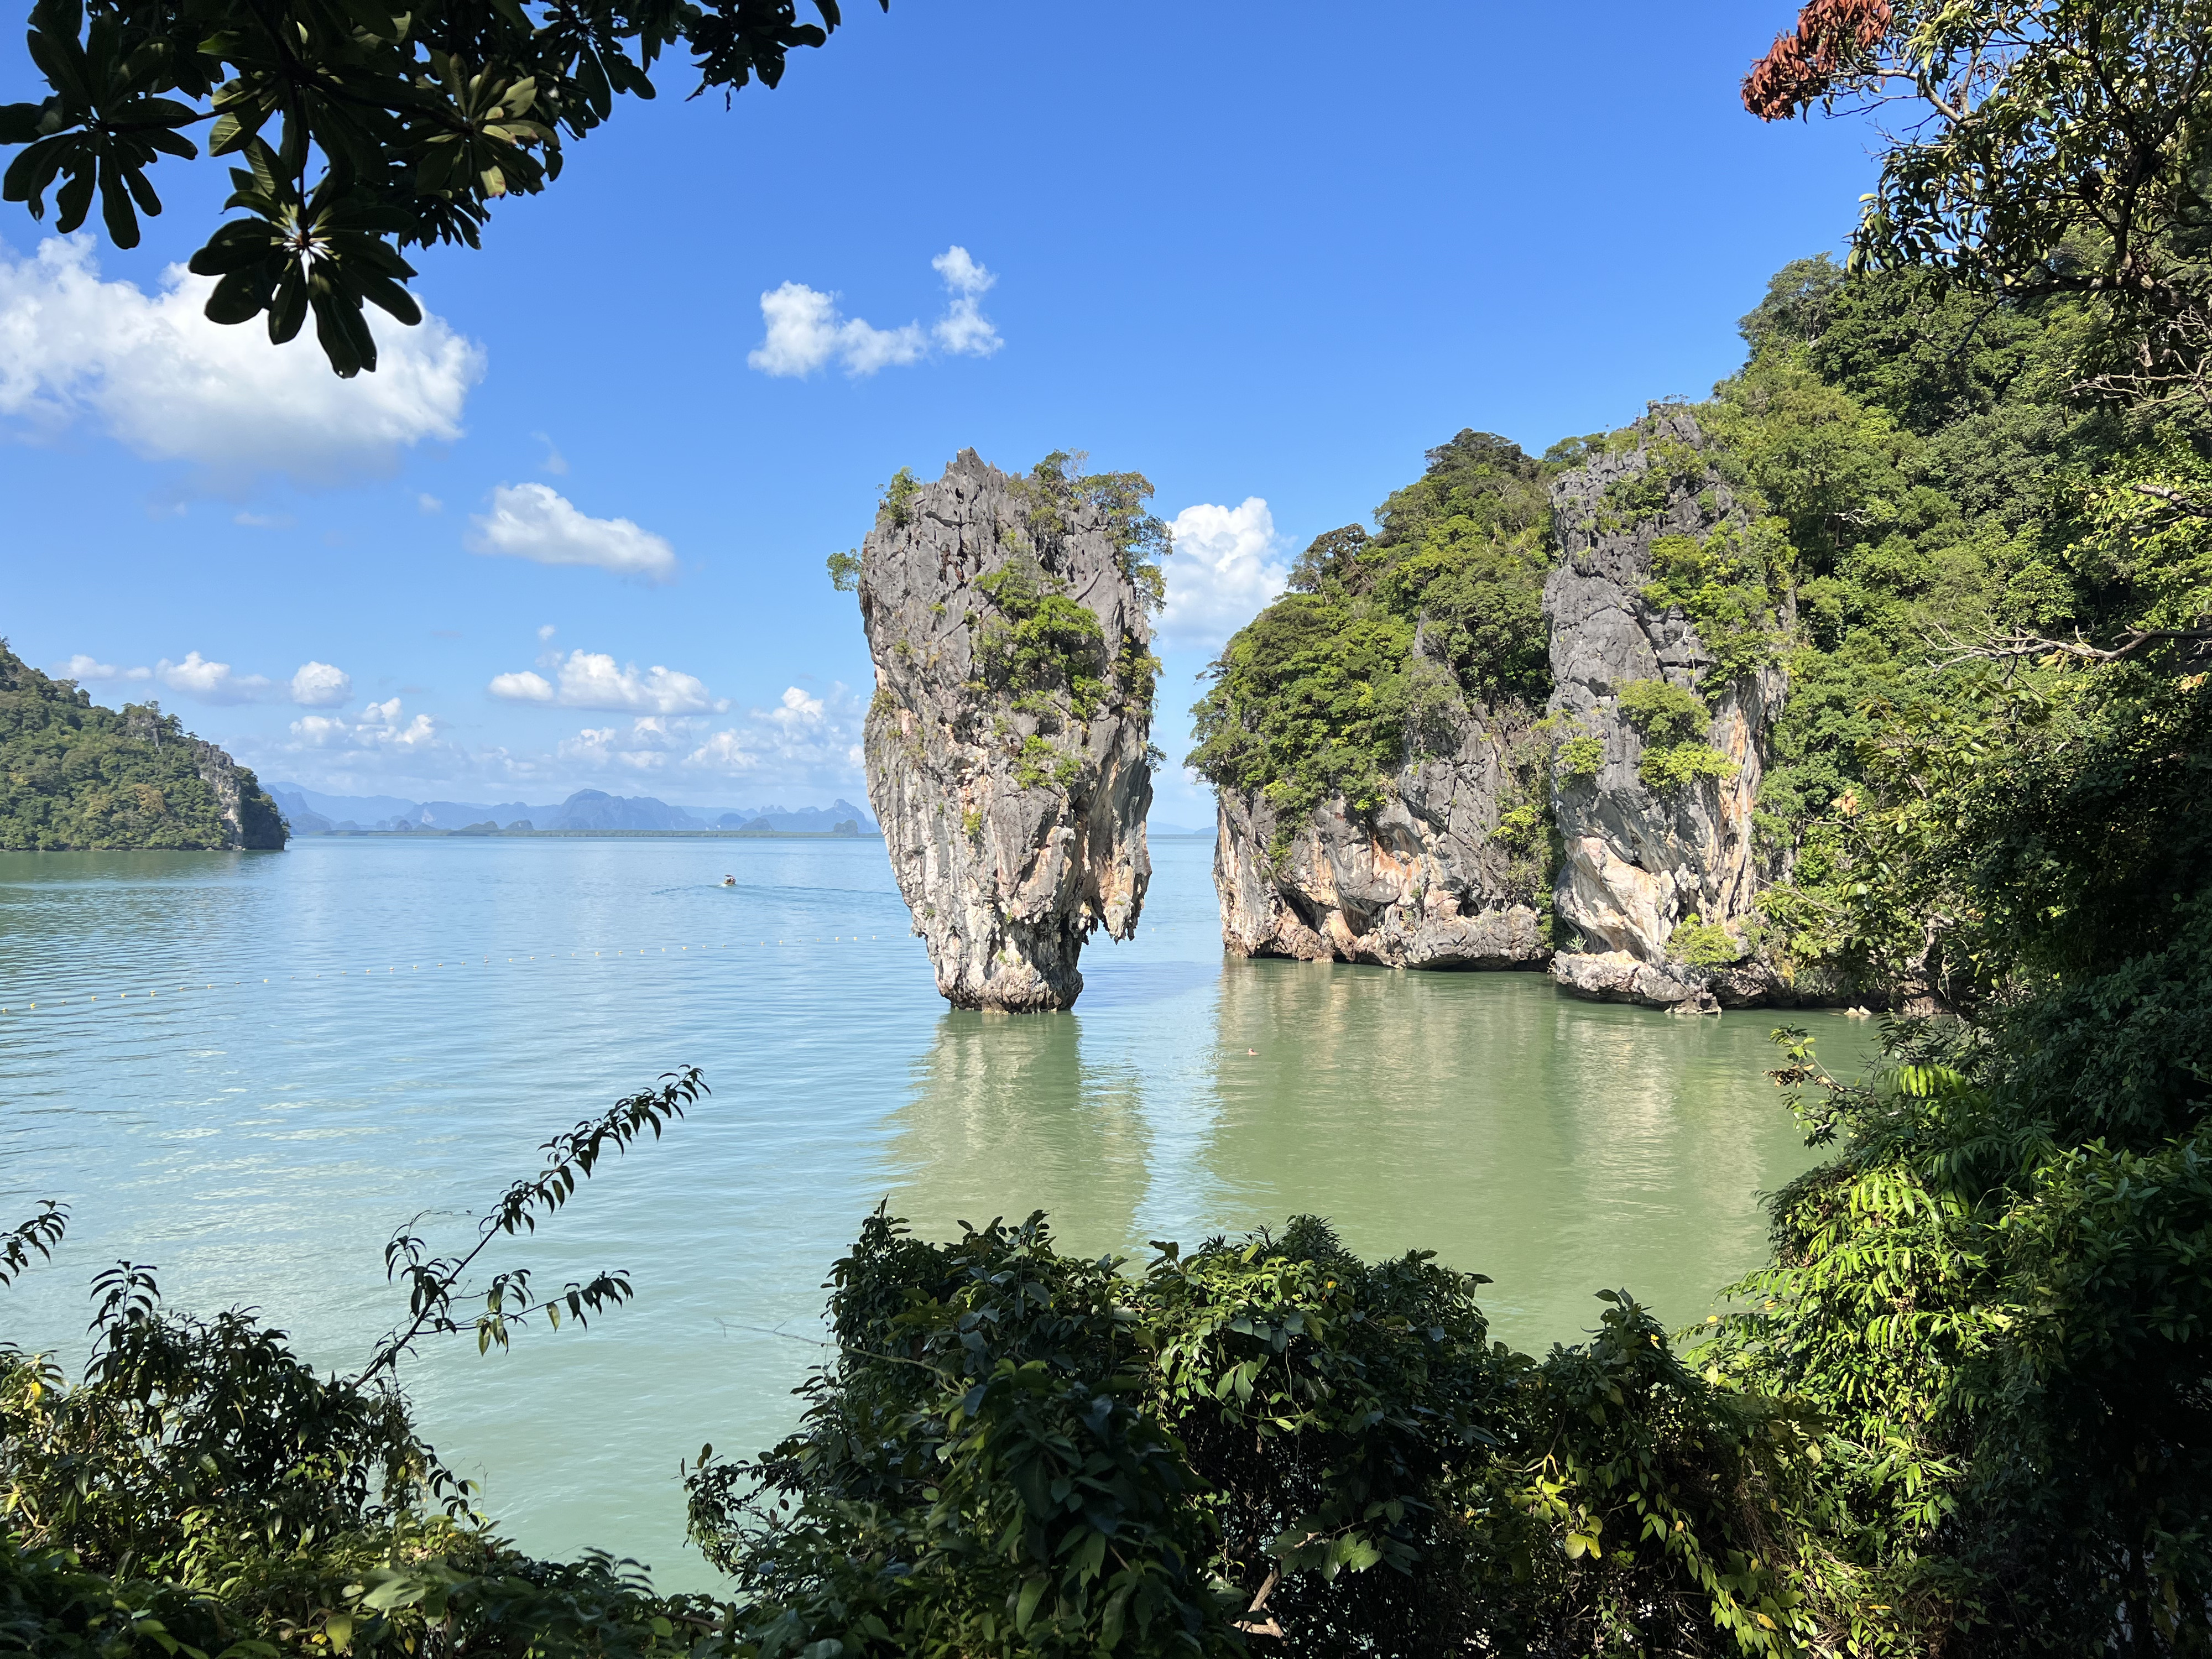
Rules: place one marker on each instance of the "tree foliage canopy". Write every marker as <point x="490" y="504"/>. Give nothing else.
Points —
<point x="359" y="131"/>
<point x="1321" y="694"/>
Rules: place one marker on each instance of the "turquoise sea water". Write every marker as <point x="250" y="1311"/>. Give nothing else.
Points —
<point x="249" y="1069"/>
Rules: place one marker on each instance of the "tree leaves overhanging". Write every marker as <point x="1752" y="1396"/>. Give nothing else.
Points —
<point x="361" y="130"/>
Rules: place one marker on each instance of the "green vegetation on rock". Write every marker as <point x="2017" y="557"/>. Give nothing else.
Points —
<point x="83" y="777"/>
<point x="1672" y="722"/>
<point x="1323" y="692"/>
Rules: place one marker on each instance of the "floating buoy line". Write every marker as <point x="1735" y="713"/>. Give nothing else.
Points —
<point x="198" y="985"/>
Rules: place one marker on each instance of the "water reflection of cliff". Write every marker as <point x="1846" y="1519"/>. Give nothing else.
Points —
<point x="1006" y="1117"/>
<point x="1560" y="1146"/>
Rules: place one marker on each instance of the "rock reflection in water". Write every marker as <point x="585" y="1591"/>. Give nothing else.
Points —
<point x="1560" y="1146"/>
<point x="1006" y="1117"/>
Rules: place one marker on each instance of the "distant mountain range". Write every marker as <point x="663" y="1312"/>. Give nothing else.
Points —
<point x="312" y="813"/>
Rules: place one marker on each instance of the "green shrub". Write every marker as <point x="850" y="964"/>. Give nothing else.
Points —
<point x="1663" y="713"/>
<point x="1684" y="764"/>
<point x="1582" y="756"/>
<point x="1048" y="646"/>
<point x="1324" y="694"/>
<point x="1700" y="943"/>
<point x="1036" y="763"/>
<point x="1672" y="720"/>
<point x="902" y="489"/>
<point x="1018" y="1451"/>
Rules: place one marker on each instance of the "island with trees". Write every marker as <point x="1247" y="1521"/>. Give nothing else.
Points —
<point x="82" y="777"/>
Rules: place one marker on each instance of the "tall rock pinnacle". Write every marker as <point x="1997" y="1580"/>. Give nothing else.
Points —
<point x="1663" y="748"/>
<point x="1008" y="745"/>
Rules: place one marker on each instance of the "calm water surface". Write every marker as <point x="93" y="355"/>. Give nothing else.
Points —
<point x="290" y="1054"/>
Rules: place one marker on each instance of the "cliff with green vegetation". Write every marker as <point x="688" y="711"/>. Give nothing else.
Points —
<point x="1008" y="744"/>
<point x="83" y="777"/>
<point x="1963" y="502"/>
<point x="1376" y="735"/>
<point x="1650" y="674"/>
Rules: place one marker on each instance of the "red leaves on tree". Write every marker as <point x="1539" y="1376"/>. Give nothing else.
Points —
<point x="1799" y="68"/>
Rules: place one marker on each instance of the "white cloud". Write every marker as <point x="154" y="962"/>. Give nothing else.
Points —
<point x="531" y="521"/>
<point x="1222" y="572"/>
<point x="593" y="679"/>
<point x="805" y="331"/>
<point x="211" y="682"/>
<point x="963" y="330"/>
<point x="81" y="667"/>
<point x="548" y="631"/>
<point x="378" y="727"/>
<point x="725" y="753"/>
<point x="170" y="386"/>
<point x="428" y="503"/>
<point x="646" y="746"/>
<point x="318" y="685"/>
<point x="262" y="520"/>
<point x="524" y="687"/>
<point x="804" y="739"/>
<point x="863" y="350"/>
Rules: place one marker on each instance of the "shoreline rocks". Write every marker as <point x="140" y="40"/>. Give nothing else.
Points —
<point x="1008" y="747"/>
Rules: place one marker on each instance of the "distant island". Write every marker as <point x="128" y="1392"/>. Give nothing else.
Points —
<point x="83" y="778"/>
<point x="586" y="813"/>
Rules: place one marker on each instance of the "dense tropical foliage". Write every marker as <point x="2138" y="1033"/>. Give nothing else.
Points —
<point x="81" y="776"/>
<point x="1326" y="691"/>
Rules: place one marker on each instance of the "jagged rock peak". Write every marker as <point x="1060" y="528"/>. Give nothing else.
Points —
<point x="1661" y="741"/>
<point x="1008" y="744"/>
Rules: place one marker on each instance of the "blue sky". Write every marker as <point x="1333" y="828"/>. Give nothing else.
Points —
<point x="1265" y="256"/>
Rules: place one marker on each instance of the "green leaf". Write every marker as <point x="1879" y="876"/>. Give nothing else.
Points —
<point x="30" y="173"/>
<point x="239" y="297"/>
<point x="1026" y="1605"/>
<point x="343" y="333"/>
<point x="73" y="201"/>
<point x="388" y="296"/>
<point x="19" y="123"/>
<point x="287" y="310"/>
<point x="1110" y="1621"/>
<point x="115" y="207"/>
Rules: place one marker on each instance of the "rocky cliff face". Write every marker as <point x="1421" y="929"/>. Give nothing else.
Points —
<point x="1425" y="882"/>
<point x="250" y="817"/>
<point x="1007" y="745"/>
<point x="1651" y="841"/>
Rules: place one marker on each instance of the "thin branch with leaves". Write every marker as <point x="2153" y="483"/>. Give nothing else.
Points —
<point x="435" y="1283"/>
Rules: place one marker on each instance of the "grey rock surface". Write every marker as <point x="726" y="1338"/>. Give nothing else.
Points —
<point x="250" y="819"/>
<point x="1014" y="818"/>
<point x="1423" y="884"/>
<point x="1638" y="861"/>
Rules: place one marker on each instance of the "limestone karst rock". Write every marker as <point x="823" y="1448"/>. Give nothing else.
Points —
<point x="1008" y="744"/>
<point x="1423" y="882"/>
<point x="1644" y="855"/>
